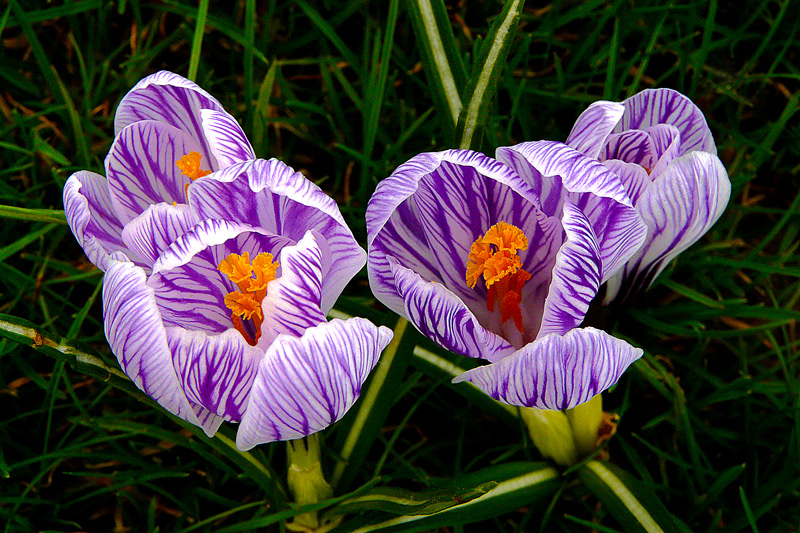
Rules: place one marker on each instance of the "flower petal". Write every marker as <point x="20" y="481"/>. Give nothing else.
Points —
<point x="305" y="384"/>
<point x="556" y="372"/>
<point x="137" y="337"/>
<point x="598" y="192"/>
<point x="444" y="318"/>
<point x="589" y="133"/>
<point x="171" y="99"/>
<point x="228" y="142"/>
<point x="666" y="106"/>
<point x="215" y="371"/>
<point x="576" y="275"/>
<point x="141" y="167"/>
<point x="634" y="177"/>
<point x="270" y="195"/>
<point x="153" y="231"/>
<point x="91" y="217"/>
<point x="678" y="207"/>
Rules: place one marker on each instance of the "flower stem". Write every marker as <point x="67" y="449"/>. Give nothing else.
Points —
<point x="585" y="420"/>
<point x="306" y="481"/>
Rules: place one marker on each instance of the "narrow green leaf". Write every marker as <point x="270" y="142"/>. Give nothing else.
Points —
<point x="40" y="215"/>
<point x="628" y="500"/>
<point x="197" y="39"/>
<point x="19" y="244"/>
<point x="482" y="83"/>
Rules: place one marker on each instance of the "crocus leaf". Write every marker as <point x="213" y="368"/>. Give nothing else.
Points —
<point x="634" y="505"/>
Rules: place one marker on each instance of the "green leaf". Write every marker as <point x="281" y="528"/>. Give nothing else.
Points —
<point x="518" y="485"/>
<point x="482" y="83"/>
<point x="628" y="500"/>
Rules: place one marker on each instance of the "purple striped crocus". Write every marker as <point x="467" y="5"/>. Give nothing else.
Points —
<point x="659" y="144"/>
<point x="218" y="280"/>
<point x="499" y="260"/>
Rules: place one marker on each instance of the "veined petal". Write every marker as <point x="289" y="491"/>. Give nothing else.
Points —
<point x="678" y="207"/>
<point x="634" y="177"/>
<point x="137" y="337"/>
<point x="91" y="217"/>
<point x="666" y="142"/>
<point x="593" y="188"/>
<point x="589" y="133"/>
<point x="171" y="99"/>
<point x="576" y="275"/>
<point x="631" y="146"/>
<point x="293" y="300"/>
<point x="271" y="195"/>
<point x="153" y="231"/>
<point x="208" y="420"/>
<point x="305" y="384"/>
<point x="444" y="318"/>
<point x="141" y="167"/>
<point x="225" y="137"/>
<point x="215" y="371"/>
<point x="667" y="106"/>
<point x="556" y="372"/>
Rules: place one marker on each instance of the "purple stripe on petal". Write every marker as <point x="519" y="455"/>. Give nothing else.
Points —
<point x="576" y="275"/>
<point x="305" y="384"/>
<point x="137" y="337"/>
<point x="633" y="177"/>
<point x="631" y="146"/>
<point x="141" y="167"/>
<point x="216" y="371"/>
<point x="225" y="137"/>
<point x="589" y="133"/>
<point x="91" y="217"/>
<point x="208" y="420"/>
<point x="666" y="106"/>
<point x="153" y="231"/>
<point x="556" y="372"/>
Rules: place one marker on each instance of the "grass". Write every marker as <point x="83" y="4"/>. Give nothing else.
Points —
<point x="710" y="421"/>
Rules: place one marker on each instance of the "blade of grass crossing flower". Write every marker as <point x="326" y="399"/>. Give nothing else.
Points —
<point x="482" y="83"/>
<point x="197" y="39"/>
<point x="441" y="58"/>
<point x="628" y="500"/>
<point x="373" y="406"/>
<point x="518" y="485"/>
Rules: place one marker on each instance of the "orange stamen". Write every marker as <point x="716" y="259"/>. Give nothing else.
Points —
<point x="494" y="256"/>
<point x="190" y="166"/>
<point x="245" y="304"/>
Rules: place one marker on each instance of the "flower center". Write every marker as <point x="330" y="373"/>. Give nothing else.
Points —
<point x="190" y="167"/>
<point x="494" y="256"/>
<point x="252" y="280"/>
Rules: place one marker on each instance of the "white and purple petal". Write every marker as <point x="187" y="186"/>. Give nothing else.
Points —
<point x="556" y="372"/>
<point x="226" y="139"/>
<point x="576" y="275"/>
<point x="153" y="231"/>
<point x="91" y="217"/>
<point x="171" y="99"/>
<point x="271" y="195"/>
<point x="136" y="334"/>
<point x="305" y="384"/>
<point x="141" y="167"/>
<point x="215" y="371"/>
<point x="679" y="207"/>
<point x="589" y="133"/>
<point x="667" y="106"/>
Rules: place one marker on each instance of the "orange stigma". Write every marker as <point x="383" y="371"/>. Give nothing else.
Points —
<point x="190" y="167"/>
<point x="494" y="256"/>
<point x="245" y="304"/>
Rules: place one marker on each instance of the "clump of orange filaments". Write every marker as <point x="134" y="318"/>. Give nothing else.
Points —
<point x="252" y="280"/>
<point x="494" y="256"/>
<point x="189" y="165"/>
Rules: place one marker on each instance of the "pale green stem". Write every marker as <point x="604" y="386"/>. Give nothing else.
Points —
<point x="585" y="420"/>
<point x="551" y="434"/>
<point x="306" y="480"/>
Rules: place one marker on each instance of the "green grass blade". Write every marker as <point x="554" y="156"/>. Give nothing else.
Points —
<point x="197" y="39"/>
<point x="36" y="215"/>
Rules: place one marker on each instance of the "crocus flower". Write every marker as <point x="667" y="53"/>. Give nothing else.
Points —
<point x="659" y="144"/>
<point x="499" y="260"/>
<point x="168" y="133"/>
<point x="218" y="280"/>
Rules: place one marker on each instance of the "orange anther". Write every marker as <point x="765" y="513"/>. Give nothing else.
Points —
<point x="190" y="166"/>
<point x="245" y="304"/>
